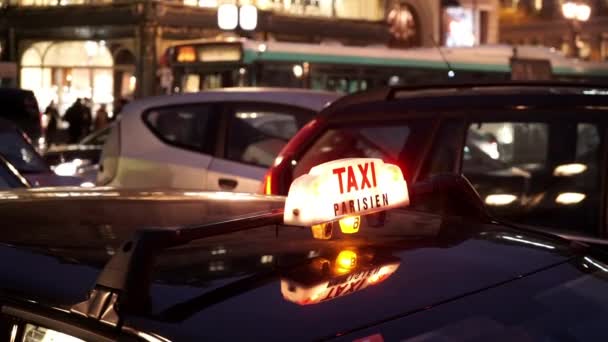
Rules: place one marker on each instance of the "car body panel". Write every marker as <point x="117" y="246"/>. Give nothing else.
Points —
<point x="531" y="315"/>
<point x="140" y="173"/>
<point x="223" y="173"/>
<point x="229" y="286"/>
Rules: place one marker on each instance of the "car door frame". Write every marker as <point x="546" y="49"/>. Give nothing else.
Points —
<point x="209" y="138"/>
<point x="547" y="115"/>
<point x="444" y="117"/>
<point x="227" y="112"/>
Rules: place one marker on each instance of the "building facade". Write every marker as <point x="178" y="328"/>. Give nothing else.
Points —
<point x="110" y="49"/>
<point x="542" y="22"/>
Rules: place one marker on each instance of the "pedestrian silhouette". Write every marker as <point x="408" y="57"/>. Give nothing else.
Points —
<point x="51" y="128"/>
<point x="101" y="117"/>
<point x="87" y="117"/>
<point x="74" y="115"/>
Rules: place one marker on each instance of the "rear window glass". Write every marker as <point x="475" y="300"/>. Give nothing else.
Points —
<point x="390" y="142"/>
<point x="257" y="135"/>
<point x="182" y="126"/>
<point x="18" y="152"/>
<point x="537" y="173"/>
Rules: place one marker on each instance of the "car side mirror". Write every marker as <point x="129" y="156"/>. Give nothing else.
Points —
<point x="448" y="195"/>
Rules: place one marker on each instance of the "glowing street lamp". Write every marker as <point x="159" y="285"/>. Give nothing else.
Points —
<point x="576" y="12"/>
<point x="230" y="16"/>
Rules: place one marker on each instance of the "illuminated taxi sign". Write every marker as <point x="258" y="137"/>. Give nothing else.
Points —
<point x="343" y="188"/>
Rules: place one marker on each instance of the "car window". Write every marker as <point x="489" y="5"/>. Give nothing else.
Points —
<point x="389" y="142"/>
<point x="36" y="333"/>
<point x="18" y="152"/>
<point x="23" y="325"/>
<point x="97" y="138"/>
<point x="257" y="134"/>
<point x="535" y="173"/>
<point x="181" y="126"/>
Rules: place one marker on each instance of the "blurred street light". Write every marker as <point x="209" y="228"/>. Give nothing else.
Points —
<point x="576" y="12"/>
<point x="228" y="17"/>
<point x="231" y="17"/>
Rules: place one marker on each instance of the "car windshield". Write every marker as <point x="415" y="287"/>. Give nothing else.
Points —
<point x="17" y="151"/>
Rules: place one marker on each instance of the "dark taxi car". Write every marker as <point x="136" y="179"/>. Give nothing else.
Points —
<point x="21" y="107"/>
<point x="81" y="159"/>
<point x="10" y="177"/>
<point x="193" y="266"/>
<point x="18" y="151"/>
<point x="87" y="149"/>
<point x="535" y="152"/>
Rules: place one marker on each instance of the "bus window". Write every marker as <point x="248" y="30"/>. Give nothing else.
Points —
<point x="213" y="81"/>
<point x="192" y="83"/>
<point x="195" y="82"/>
<point x="281" y="75"/>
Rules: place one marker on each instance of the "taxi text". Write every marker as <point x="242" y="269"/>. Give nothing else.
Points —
<point x="353" y="283"/>
<point x="361" y="177"/>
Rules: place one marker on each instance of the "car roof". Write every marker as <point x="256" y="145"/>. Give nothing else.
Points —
<point x="309" y="99"/>
<point x="6" y="93"/>
<point x="6" y="125"/>
<point x="470" y="96"/>
<point x="235" y="283"/>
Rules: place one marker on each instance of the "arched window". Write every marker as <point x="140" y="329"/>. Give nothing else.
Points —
<point x="67" y="70"/>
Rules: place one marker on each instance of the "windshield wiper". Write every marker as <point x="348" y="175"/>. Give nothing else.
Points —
<point x="124" y="282"/>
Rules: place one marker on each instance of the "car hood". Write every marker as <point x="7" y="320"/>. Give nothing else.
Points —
<point x="275" y="283"/>
<point x="282" y="293"/>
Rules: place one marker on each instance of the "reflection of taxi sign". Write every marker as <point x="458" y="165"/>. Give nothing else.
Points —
<point x="346" y="277"/>
<point x="342" y="188"/>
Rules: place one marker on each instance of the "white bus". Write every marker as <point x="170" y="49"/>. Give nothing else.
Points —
<point x="241" y="62"/>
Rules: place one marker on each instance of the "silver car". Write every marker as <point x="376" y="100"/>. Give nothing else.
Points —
<point x="213" y="140"/>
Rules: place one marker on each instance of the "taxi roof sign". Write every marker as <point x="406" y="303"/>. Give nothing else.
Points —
<point x="343" y="188"/>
